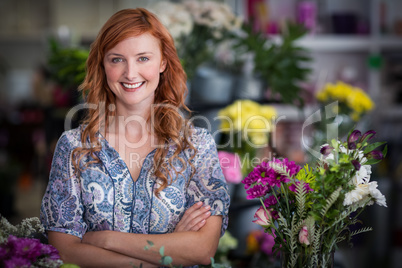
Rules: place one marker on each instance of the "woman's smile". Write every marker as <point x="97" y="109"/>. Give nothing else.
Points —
<point x="132" y="87"/>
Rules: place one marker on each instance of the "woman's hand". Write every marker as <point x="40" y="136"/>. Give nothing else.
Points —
<point x="194" y="218"/>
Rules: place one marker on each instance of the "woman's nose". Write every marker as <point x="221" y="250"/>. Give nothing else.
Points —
<point x="131" y="71"/>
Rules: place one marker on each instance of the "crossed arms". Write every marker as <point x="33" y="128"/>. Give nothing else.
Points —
<point x="193" y="242"/>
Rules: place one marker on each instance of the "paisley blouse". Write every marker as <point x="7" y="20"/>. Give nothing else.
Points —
<point x="105" y="197"/>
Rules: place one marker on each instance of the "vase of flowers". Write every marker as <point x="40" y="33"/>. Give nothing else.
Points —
<point x="310" y="210"/>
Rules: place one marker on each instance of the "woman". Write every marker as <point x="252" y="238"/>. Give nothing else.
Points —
<point x="136" y="170"/>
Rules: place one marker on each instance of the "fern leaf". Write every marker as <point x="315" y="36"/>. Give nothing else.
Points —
<point x="331" y="200"/>
<point x="301" y="199"/>
<point x="362" y="230"/>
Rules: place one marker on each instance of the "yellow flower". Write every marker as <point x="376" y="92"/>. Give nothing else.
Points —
<point x="247" y="114"/>
<point x="354" y="98"/>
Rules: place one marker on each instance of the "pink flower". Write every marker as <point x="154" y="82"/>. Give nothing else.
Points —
<point x="303" y="236"/>
<point x="263" y="218"/>
<point x="230" y="164"/>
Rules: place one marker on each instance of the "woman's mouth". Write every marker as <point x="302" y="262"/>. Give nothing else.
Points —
<point x="132" y="86"/>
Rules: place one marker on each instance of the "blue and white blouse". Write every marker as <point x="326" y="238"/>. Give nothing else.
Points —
<point x="105" y="197"/>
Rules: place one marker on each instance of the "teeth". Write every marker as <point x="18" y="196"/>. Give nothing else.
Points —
<point x="132" y="85"/>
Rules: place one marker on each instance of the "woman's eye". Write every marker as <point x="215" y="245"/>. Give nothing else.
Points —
<point x="143" y="59"/>
<point x="116" y="60"/>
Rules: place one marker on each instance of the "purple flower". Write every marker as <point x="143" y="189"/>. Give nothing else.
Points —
<point x="369" y="135"/>
<point x="356" y="164"/>
<point x="375" y="154"/>
<point x="257" y="191"/>
<point x="326" y="150"/>
<point x="267" y="242"/>
<point x="255" y="176"/>
<point x="275" y="179"/>
<point x="28" y="247"/>
<point x="265" y="177"/>
<point x="4" y="252"/>
<point x="354" y="136"/>
<point x="22" y="252"/>
<point x="270" y="201"/>
<point x="17" y="262"/>
<point x="50" y="251"/>
<point x="306" y="187"/>
<point x="352" y="146"/>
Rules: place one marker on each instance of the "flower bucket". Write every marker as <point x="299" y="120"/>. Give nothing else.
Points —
<point x="249" y="87"/>
<point x="300" y="260"/>
<point x="211" y="86"/>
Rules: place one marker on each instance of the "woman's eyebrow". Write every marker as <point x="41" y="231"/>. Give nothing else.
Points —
<point x="119" y="55"/>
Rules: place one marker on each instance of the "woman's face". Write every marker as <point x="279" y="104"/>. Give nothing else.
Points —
<point x="133" y="69"/>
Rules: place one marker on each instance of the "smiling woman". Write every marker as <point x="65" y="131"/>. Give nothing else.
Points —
<point x="135" y="170"/>
<point x="134" y="66"/>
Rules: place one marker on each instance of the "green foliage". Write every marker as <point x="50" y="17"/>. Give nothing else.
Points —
<point x="67" y="65"/>
<point x="282" y="66"/>
<point x="195" y="49"/>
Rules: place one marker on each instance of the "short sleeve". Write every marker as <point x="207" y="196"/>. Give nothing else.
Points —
<point x="208" y="183"/>
<point x="61" y="208"/>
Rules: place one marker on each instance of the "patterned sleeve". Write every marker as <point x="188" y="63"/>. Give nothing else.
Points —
<point x="61" y="208"/>
<point x="208" y="183"/>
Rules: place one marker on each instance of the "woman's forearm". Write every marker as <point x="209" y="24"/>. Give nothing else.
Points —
<point x="185" y="248"/>
<point x="84" y="255"/>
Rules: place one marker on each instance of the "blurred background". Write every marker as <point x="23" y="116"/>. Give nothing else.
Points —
<point x="44" y="44"/>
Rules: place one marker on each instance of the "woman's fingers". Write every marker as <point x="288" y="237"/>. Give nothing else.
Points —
<point x="194" y="218"/>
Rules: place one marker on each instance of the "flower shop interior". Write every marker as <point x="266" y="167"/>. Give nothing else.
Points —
<point x="311" y="70"/>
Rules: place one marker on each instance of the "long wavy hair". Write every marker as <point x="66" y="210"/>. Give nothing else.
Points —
<point x="168" y="124"/>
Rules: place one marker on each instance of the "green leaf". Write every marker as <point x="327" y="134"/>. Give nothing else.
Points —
<point x="166" y="260"/>
<point x="162" y="251"/>
<point x="385" y="151"/>
<point x="371" y="147"/>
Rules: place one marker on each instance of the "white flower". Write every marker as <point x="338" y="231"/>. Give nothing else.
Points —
<point x="362" y="175"/>
<point x="356" y="195"/>
<point x="362" y="192"/>
<point x="175" y="17"/>
<point x="377" y="195"/>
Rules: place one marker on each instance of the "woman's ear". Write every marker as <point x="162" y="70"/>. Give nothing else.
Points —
<point x="163" y="66"/>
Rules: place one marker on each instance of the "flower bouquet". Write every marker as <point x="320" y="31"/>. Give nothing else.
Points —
<point x="310" y="210"/>
<point x="19" y="249"/>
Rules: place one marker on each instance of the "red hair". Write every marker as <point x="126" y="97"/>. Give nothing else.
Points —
<point x="169" y="125"/>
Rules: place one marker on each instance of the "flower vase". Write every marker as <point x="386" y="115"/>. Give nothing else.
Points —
<point x="300" y="260"/>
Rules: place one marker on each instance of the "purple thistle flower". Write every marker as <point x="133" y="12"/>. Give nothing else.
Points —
<point x="370" y="134"/>
<point x="375" y="154"/>
<point x="354" y="136"/>
<point x="326" y="150"/>
<point x="356" y="164"/>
